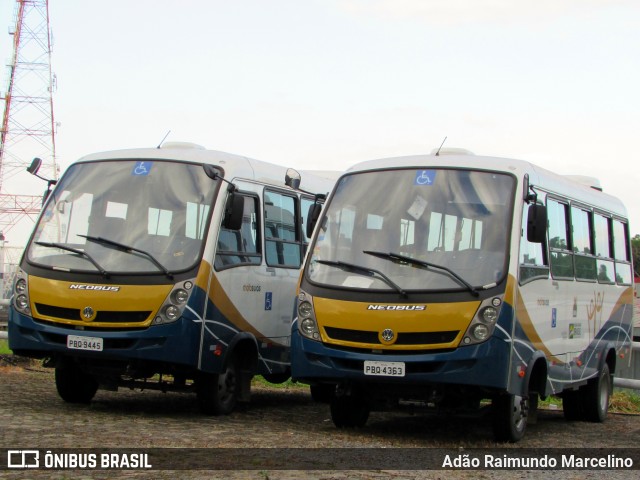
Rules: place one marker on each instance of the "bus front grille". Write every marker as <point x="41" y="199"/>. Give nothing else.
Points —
<point x="404" y="338"/>
<point x="102" y="316"/>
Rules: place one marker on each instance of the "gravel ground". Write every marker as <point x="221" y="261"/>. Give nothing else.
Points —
<point x="32" y="416"/>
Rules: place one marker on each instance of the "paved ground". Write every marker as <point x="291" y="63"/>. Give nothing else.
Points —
<point x="33" y="416"/>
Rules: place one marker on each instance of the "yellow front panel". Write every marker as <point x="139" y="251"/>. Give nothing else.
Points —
<point x="64" y="302"/>
<point x="358" y="317"/>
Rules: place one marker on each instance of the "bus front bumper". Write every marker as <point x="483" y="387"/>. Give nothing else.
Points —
<point x="484" y="365"/>
<point x="167" y="343"/>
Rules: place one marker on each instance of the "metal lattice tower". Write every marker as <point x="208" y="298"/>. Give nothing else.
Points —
<point x="28" y="131"/>
<point x="28" y="128"/>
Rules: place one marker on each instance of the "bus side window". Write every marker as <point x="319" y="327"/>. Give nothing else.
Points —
<point x="582" y="229"/>
<point x="604" y="250"/>
<point x="559" y="244"/>
<point x="282" y="230"/>
<point x="533" y="261"/>
<point x="305" y="203"/>
<point x="240" y="247"/>
<point x="621" y="252"/>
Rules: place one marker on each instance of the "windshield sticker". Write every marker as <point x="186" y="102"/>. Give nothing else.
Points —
<point x="141" y="169"/>
<point x="357" y="282"/>
<point x="425" y="177"/>
<point x="417" y="208"/>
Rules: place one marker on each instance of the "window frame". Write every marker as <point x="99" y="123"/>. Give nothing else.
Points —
<point x="567" y="250"/>
<point x="540" y="271"/>
<point x="258" y="240"/>
<point x="297" y="229"/>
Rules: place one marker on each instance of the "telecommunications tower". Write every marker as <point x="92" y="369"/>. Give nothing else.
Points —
<point x="28" y="128"/>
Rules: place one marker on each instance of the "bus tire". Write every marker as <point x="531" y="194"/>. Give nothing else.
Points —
<point x="217" y="392"/>
<point x="509" y="417"/>
<point x="73" y="384"/>
<point x="596" y="396"/>
<point x="349" y="411"/>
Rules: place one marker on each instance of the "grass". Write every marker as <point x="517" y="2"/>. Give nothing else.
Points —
<point x="622" y="401"/>
<point x="625" y="401"/>
<point x="258" y="380"/>
<point x="4" y="347"/>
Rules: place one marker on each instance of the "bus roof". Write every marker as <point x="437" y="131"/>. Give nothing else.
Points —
<point x="578" y="187"/>
<point x="234" y="166"/>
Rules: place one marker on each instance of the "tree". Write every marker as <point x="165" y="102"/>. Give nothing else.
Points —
<point x="635" y="253"/>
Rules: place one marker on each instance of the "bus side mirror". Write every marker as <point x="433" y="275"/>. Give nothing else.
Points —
<point x="292" y="179"/>
<point x="537" y="223"/>
<point x="35" y="166"/>
<point x="234" y="212"/>
<point x="312" y="217"/>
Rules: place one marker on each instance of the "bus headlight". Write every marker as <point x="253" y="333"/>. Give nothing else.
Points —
<point x="21" y="286"/>
<point x="305" y="309"/>
<point x="21" y="293"/>
<point x="306" y="318"/>
<point x="489" y="315"/>
<point x="172" y="312"/>
<point x="180" y="296"/>
<point x="175" y="304"/>
<point x="480" y="332"/>
<point x="22" y="302"/>
<point x="308" y="327"/>
<point x="484" y="322"/>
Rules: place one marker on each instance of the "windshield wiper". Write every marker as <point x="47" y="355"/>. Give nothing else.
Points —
<point x="82" y="253"/>
<point x="370" y="272"/>
<point x="420" y="263"/>
<point x="128" y="249"/>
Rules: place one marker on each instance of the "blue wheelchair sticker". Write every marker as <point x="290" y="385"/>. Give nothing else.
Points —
<point x="268" y="300"/>
<point x="425" y="177"/>
<point x="142" y="169"/>
<point x="554" y="318"/>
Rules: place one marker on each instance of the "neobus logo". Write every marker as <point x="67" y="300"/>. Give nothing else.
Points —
<point x="406" y="308"/>
<point x="102" y="288"/>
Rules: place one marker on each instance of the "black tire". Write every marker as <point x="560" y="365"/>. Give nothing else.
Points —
<point x="322" y="392"/>
<point x="572" y="405"/>
<point x="596" y="396"/>
<point x="349" y="411"/>
<point x="509" y="417"/>
<point x="73" y="384"/>
<point x="217" y="393"/>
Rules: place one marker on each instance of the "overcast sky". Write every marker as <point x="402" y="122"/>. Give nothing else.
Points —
<point x="323" y="84"/>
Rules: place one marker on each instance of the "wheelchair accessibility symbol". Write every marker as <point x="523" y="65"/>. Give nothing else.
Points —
<point x="141" y="168"/>
<point x="425" y="177"/>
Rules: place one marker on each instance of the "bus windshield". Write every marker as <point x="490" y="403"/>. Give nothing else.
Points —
<point x="125" y="216"/>
<point x="416" y="229"/>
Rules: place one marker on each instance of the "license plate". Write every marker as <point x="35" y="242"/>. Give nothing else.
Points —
<point x="77" y="342"/>
<point x="384" y="369"/>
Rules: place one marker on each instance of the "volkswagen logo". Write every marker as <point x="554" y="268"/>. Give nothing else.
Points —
<point x="88" y="313"/>
<point x="387" y="334"/>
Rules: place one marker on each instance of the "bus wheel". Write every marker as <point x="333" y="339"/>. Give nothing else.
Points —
<point x="73" y="384"/>
<point x="217" y="392"/>
<point x="509" y="417"/>
<point x="349" y="411"/>
<point x="596" y="396"/>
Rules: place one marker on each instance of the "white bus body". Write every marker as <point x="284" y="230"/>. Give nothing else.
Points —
<point x="177" y="263"/>
<point x="436" y="278"/>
